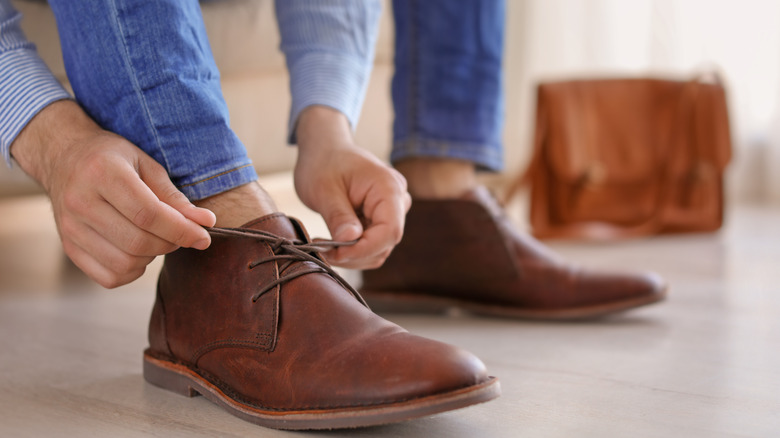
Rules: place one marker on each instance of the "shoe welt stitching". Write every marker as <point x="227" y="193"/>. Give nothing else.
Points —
<point x="228" y="391"/>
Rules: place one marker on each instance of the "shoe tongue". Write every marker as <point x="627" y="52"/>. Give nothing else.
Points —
<point x="276" y="223"/>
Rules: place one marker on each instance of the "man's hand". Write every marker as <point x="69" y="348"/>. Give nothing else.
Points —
<point x="359" y="196"/>
<point x="115" y="207"/>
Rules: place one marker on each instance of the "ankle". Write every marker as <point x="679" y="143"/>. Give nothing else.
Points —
<point x="239" y="205"/>
<point x="438" y="178"/>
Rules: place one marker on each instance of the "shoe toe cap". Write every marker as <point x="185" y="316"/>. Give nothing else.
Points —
<point x="404" y="367"/>
<point x="604" y="287"/>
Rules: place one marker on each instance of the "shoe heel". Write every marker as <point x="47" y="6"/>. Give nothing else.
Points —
<point x="166" y="377"/>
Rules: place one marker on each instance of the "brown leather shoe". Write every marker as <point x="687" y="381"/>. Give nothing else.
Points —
<point x="260" y="325"/>
<point x="466" y="254"/>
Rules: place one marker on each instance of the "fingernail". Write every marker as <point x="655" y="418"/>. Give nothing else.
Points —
<point x="202" y="244"/>
<point x="347" y="232"/>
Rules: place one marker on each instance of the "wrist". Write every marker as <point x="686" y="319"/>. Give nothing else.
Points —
<point x="48" y="134"/>
<point x="321" y="127"/>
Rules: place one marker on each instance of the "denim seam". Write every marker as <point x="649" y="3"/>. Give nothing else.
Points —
<point x="235" y="169"/>
<point x="414" y="64"/>
<point x="136" y="87"/>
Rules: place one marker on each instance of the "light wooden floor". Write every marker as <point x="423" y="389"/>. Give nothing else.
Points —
<point x="706" y="363"/>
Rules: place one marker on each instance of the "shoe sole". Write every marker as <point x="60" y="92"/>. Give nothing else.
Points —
<point x="400" y="302"/>
<point x="182" y="380"/>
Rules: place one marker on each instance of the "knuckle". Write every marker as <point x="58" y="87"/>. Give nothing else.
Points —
<point x="174" y="195"/>
<point x="396" y="234"/>
<point x="124" y="265"/>
<point x="407" y="201"/>
<point x="376" y="263"/>
<point x="70" y="250"/>
<point x="94" y="165"/>
<point x="397" y="180"/>
<point x="182" y="238"/>
<point x="74" y="201"/>
<point x="400" y="178"/>
<point x="124" y="271"/>
<point x="138" y="245"/>
<point x="133" y="275"/>
<point x="338" y="217"/>
<point x="114" y="280"/>
<point x="168" y="248"/>
<point x="165" y="188"/>
<point x="68" y="228"/>
<point x="145" y="217"/>
<point x="96" y="169"/>
<point x="109" y="281"/>
<point x="390" y="184"/>
<point x="385" y="254"/>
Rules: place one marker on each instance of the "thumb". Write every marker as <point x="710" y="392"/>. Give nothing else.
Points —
<point x="341" y="219"/>
<point x="156" y="178"/>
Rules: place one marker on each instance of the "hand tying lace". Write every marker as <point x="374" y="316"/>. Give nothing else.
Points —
<point x="292" y="251"/>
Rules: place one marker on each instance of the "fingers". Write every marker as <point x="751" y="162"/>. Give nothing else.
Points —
<point x="120" y="232"/>
<point x="381" y="235"/>
<point x="402" y="183"/>
<point x="136" y="201"/>
<point x="349" y="186"/>
<point x="340" y="216"/>
<point x="160" y="184"/>
<point x="119" y="210"/>
<point x="384" y="210"/>
<point x="112" y="268"/>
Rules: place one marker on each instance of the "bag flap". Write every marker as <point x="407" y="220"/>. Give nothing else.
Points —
<point x="629" y="130"/>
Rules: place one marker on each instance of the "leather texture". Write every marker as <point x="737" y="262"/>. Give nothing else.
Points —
<point x="306" y="344"/>
<point x="628" y="157"/>
<point x="466" y="253"/>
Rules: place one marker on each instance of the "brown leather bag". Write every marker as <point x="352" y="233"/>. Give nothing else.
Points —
<point x="628" y="157"/>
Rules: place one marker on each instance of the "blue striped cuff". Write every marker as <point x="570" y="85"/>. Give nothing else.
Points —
<point x="331" y="79"/>
<point x="26" y="87"/>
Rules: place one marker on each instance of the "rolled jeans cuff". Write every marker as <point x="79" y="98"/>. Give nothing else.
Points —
<point x="220" y="182"/>
<point x="487" y="157"/>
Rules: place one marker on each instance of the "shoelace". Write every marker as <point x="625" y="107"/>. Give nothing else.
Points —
<point x="292" y="251"/>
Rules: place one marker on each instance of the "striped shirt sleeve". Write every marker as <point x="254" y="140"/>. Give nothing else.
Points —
<point x="26" y="83"/>
<point x="329" y="49"/>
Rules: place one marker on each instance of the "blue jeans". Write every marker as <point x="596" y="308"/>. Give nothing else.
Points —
<point x="144" y="70"/>
<point x="447" y="88"/>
